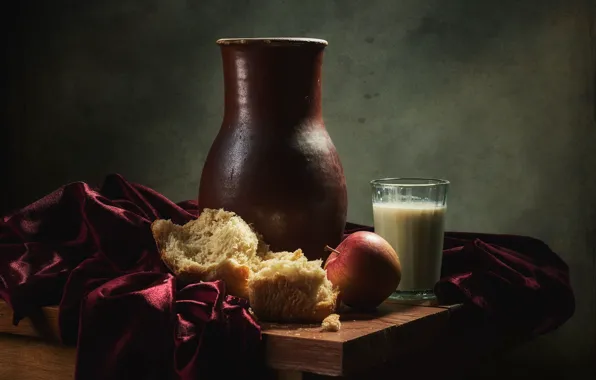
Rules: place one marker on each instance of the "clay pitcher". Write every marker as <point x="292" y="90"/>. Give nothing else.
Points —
<point x="273" y="162"/>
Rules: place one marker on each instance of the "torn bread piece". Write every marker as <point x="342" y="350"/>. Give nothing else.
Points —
<point x="219" y="245"/>
<point x="291" y="289"/>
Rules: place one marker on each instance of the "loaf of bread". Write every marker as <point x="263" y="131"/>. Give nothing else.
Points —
<point x="219" y="245"/>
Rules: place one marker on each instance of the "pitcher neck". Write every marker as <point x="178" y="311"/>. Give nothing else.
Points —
<point x="272" y="84"/>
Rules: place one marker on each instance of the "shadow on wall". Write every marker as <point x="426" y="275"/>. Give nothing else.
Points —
<point x="100" y="86"/>
<point x="447" y="24"/>
<point x="104" y="86"/>
<point x="10" y="91"/>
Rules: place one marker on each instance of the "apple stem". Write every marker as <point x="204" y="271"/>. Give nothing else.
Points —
<point x="329" y="249"/>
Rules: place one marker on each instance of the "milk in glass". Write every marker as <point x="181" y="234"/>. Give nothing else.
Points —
<point x="415" y="230"/>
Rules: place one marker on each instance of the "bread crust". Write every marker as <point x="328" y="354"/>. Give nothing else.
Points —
<point x="280" y="286"/>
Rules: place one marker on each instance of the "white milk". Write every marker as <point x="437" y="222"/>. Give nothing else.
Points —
<point x="415" y="231"/>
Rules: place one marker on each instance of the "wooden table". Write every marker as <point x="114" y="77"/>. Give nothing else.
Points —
<point x="399" y="338"/>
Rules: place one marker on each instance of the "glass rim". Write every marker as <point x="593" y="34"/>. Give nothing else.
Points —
<point x="409" y="182"/>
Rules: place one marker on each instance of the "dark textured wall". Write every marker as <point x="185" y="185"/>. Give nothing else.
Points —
<point x="495" y="95"/>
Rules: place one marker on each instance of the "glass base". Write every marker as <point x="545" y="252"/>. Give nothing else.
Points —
<point x="413" y="295"/>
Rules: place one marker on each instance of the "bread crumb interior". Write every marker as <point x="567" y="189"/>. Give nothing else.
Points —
<point x="281" y="286"/>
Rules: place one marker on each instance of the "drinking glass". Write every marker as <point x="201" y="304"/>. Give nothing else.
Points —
<point x="410" y="214"/>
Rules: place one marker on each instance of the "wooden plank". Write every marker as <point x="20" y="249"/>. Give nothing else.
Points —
<point x="27" y="358"/>
<point x="365" y="340"/>
<point x="43" y="324"/>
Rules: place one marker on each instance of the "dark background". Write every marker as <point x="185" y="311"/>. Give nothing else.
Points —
<point x="495" y="95"/>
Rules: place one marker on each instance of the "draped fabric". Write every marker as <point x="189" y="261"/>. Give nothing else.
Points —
<point x="91" y="252"/>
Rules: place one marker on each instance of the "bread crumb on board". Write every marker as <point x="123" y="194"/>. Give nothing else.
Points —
<point x="331" y="323"/>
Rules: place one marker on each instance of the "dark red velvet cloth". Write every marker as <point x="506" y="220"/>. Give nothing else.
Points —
<point x="91" y="252"/>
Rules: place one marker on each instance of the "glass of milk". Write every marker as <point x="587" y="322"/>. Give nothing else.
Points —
<point x="410" y="214"/>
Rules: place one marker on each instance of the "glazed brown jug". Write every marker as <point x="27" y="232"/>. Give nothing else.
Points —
<point x="273" y="162"/>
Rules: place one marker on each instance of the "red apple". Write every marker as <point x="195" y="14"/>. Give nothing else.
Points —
<point x="365" y="268"/>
